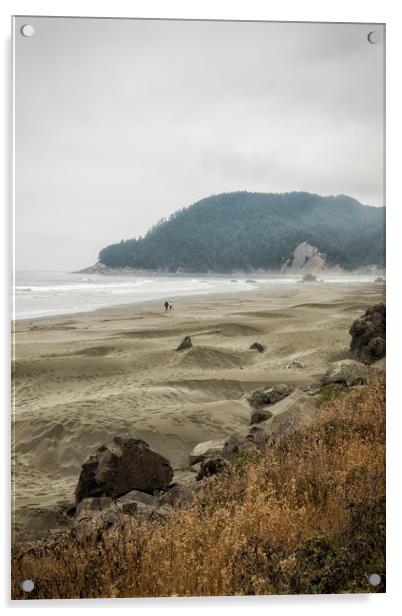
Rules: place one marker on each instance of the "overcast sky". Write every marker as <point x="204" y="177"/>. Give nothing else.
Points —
<point x="121" y="122"/>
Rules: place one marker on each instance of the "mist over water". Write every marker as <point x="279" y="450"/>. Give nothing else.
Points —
<point x="40" y="294"/>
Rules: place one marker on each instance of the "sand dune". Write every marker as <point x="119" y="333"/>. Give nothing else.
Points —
<point x="78" y="382"/>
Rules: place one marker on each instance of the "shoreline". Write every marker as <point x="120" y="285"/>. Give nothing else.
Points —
<point x="143" y="303"/>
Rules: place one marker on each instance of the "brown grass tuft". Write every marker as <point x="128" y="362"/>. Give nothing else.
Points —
<point x="308" y="516"/>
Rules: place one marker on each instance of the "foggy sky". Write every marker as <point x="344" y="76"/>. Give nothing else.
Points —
<point x="121" y="122"/>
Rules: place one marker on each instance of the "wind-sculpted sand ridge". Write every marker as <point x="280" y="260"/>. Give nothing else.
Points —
<point x="79" y="382"/>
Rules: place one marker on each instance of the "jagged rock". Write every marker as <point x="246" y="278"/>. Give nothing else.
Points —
<point x="211" y="466"/>
<point x="305" y="257"/>
<point x="120" y="466"/>
<point x="271" y="395"/>
<point x="258" y="347"/>
<point x="291" y="412"/>
<point x="185" y="344"/>
<point x="368" y="335"/>
<point x="347" y="372"/>
<point x="204" y="450"/>
<point x="259" y="415"/>
<point x="251" y="281"/>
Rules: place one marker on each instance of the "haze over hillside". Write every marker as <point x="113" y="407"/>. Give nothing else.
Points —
<point x="249" y="231"/>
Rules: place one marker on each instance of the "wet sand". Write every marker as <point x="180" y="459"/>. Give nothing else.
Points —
<point x="81" y="379"/>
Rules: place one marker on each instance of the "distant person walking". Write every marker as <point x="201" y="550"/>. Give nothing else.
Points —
<point x="166" y="305"/>
<point x="170" y="305"/>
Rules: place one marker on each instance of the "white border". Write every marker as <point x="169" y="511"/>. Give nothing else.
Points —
<point x="378" y="11"/>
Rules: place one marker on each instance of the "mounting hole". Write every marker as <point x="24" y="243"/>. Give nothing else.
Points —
<point x="27" y="30"/>
<point x="374" y="579"/>
<point x="27" y="585"/>
<point x="373" y="37"/>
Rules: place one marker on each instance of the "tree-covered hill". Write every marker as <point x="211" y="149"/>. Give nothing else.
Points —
<point x="247" y="231"/>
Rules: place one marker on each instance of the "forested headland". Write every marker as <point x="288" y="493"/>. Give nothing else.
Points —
<point x="244" y="231"/>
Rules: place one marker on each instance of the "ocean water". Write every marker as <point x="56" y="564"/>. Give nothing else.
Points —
<point x="40" y="294"/>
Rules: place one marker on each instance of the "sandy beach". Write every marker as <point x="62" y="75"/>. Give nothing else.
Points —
<point x="81" y="379"/>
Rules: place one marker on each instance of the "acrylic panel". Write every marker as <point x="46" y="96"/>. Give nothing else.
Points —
<point x="198" y="361"/>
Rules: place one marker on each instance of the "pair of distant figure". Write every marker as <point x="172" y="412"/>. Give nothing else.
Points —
<point x="168" y="305"/>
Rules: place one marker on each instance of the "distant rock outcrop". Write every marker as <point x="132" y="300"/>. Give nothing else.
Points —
<point x="305" y="258"/>
<point x="309" y="278"/>
<point x="120" y="466"/>
<point x="368" y="335"/>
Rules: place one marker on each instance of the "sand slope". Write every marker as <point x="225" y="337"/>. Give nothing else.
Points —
<point x="79" y="381"/>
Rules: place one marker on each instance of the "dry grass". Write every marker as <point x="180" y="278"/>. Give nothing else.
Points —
<point x="308" y="516"/>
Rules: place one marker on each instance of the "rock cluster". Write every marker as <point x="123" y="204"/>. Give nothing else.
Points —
<point x="368" y="335"/>
<point x="126" y="477"/>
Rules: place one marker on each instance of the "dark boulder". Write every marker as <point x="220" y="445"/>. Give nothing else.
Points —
<point x="185" y="344"/>
<point x="271" y="395"/>
<point x="120" y="466"/>
<point x="368" y="335"/>
<point x="259" y="415"/>
<point x="258" y="347"/>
